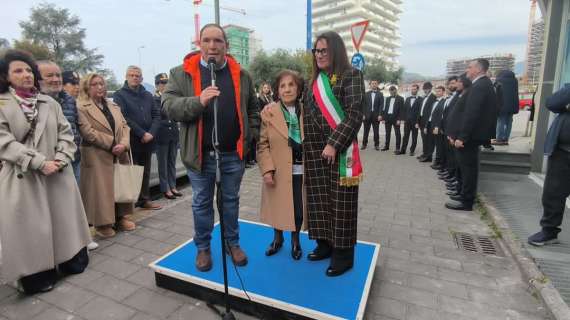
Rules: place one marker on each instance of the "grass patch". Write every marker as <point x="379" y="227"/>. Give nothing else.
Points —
<point x="485" y="217"/>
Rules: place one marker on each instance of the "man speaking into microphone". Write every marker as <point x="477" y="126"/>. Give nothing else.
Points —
<point x="188" y="99"/>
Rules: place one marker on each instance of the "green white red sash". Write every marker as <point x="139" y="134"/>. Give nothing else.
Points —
<point x="350" y="167"/>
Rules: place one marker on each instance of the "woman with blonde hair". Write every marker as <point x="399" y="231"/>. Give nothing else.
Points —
<point x="105" y="137"/>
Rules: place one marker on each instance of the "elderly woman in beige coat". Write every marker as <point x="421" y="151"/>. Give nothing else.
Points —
<point x="105" y="137"/>
<point x="280" y="159"/>
<point x="43" y="228"/>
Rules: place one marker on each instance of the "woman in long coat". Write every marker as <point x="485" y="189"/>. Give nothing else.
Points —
<point x="105" y="137"/>
<point x="332" y="118"/>
<point x="280" y="159"/>
<point x="42" y="221"/>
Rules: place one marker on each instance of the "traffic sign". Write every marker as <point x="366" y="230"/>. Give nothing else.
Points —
<point x="357" y="32"/>
<point x="358" y="61"/>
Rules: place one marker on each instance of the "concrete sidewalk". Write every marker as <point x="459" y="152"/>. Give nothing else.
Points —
<point x="421" y="274"/>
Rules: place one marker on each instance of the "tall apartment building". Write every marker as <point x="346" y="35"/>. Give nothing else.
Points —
<point x="534" y="54"/>
<point x="244" y="43"/>
<point x="497" y="63"/>
<point x="382" y="40"/>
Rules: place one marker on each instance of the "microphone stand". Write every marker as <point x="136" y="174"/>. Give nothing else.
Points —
<point x="227" y="315"/>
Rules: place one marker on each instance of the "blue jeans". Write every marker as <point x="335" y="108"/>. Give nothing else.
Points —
<point x="504" y="126"/>
<point x="167" y="165"/>
<point x="203" y="186"/>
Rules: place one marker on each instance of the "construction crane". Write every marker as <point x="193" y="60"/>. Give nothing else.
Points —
<point x="196" y="4"/>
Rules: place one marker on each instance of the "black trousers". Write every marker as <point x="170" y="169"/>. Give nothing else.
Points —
<point x="410" y="128"/>
<point x="429" y="142"/>
<point x="298" y="200"/>
<point x="451" y="162"/>
<point x="425" y="142"/>
<point x="252" y="153"/>
<point x="143" y="159"/>
<point x="389" y="125"/>
<point x="440" y="149"/>
<point x="468" y="158"/>
<point x="33" y="283"/>
<point x="555" y="191"/>
<point x="372" y="121"/>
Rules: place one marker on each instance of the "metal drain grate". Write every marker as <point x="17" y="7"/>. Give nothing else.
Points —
<point x="477" y="244"/>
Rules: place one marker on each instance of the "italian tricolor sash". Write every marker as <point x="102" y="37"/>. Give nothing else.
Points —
<point x="350" y="167"/>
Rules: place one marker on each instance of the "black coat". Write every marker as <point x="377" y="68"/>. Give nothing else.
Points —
<point x="424" y="116"/>
<point x="141" y="114"/>
<point x="411" y="112"/>
<point x="397" y="110"/>
<point x="455" y="116"/>
<point x="437" y="114"/>
<point x="378" y="103"/>
<point x="480" y="117"/>
<point x="168" y="129"/>
<point x="510" y="92"/>
<point x="447" y="110"/>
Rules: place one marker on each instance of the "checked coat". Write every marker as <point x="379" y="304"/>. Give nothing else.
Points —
<point x="331" y="208"/>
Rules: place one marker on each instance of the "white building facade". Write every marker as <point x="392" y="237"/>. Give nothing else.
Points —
<point x="382" y="40"/>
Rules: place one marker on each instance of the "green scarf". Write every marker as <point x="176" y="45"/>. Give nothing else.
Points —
<point x="294" y="130"/>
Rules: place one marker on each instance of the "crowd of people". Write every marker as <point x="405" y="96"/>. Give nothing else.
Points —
<point x="453" y="123"/>
<point x="61" y="137"/>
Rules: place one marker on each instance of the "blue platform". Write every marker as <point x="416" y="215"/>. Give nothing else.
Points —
<point x="278" y="282"/>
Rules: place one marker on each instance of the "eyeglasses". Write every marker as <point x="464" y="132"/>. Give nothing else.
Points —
<point x="322" y="52"/>
<point x="163" y="82"/>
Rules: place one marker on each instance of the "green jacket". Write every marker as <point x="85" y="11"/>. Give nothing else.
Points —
<point x="182" y="105"/>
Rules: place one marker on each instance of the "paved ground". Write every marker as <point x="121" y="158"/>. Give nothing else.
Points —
<point x="421" y="273"/>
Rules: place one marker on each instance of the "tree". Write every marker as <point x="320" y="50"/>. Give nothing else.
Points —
<point x="38" y="51"/>
<point x="110" y="79"/>
<point x="265" y="67"/>
<point x="4" y="43"/>
<point x="376" y="69"/>
<point x="59" y="31"/>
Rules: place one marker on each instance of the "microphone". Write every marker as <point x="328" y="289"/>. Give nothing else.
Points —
<point x="212" y="67"/>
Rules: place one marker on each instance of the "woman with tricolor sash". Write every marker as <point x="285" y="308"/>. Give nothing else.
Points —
<point x="332" y="117"/>
<point x="280" y="159"/>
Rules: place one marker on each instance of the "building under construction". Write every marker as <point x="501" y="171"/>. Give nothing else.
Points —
<point x="534" y="55"/>
<point x="497" y="63"/>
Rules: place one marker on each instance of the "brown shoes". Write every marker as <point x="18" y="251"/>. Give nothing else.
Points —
<point x="204" y="260"/>
<point x="151" y="206"/>
<point x="238" y="256"/>
<point x="124" y="224"/>
<point x="105" y="231"/>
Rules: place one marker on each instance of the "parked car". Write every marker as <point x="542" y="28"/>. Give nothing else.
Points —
<point x="525" y="100"/>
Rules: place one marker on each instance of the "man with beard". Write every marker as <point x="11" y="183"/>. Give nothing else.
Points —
<point x="410" y="115"/>
<point x="425" y="113"/>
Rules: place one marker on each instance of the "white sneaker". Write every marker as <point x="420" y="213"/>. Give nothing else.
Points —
<point x="92" y="246"/>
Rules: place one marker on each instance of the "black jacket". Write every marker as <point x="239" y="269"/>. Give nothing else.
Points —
<point x="396" y="112"/>
<point x="455" y="117"/>
<point x="141" y="114"/>
<point x="378" y="103"/>
<point x="479" y="121"/>
<point x="168" y="129"/>
<point x="510" y="92"/>
<point x="424" y="116"/>
<point x="411" y="112"/>
<point x="452" y="101"/>
<point x="437" y="114"/>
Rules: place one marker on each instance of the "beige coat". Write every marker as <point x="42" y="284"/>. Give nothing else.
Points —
<point x="274" y="154"/>
<point x="96" y="182"/>
<point x="42" y="220"/>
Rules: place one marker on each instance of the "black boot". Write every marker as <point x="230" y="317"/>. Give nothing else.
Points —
<point x="296" y="251"/>
<point x="322" y="251"/>
<point x="341" y="261"/>
<point x="39" y="282"/>
<point x="277" y="243"/>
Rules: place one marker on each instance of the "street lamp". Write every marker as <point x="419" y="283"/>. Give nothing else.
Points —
<point x="139" y="51"/>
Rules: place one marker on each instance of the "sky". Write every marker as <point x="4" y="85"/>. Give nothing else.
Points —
<point x="157" y="33"/>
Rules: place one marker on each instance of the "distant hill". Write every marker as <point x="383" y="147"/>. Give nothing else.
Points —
<point x="410" y="77"/>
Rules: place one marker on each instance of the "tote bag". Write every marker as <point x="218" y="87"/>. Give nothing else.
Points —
<point x="127" y="181"/>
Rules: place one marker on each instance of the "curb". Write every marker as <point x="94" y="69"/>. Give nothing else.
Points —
<point x="531" y="273"/>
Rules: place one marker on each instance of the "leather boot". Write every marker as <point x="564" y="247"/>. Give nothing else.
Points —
<point x="342" y="260"/>
<point x="296" y="251"/>
<point x="322" y="251"/>
<point x="277" y="243"/>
